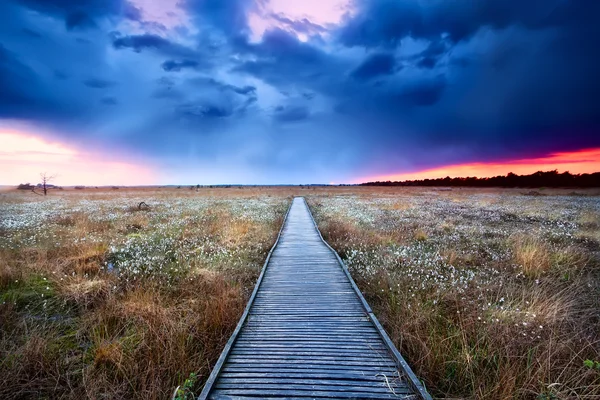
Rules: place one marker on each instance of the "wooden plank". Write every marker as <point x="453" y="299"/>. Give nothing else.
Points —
<point x="368" y="369"/>
<point x="308" y="344"/>
<point x="324" y="386"/>
<point x="305" y="393"/>
<point x="310" y="373"/>
<point x="380" y="382"/>
<point x="237" y="397"/>
<point x="275" y="358"/>
<point x="304" y="351"/>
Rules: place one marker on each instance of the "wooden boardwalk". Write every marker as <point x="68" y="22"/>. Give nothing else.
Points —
<point x="307" y="331"/>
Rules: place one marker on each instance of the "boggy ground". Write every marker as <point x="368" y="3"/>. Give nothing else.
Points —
<point x="488" y="293"/>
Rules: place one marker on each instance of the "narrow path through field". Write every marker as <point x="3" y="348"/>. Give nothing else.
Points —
<point x="308" y="332"/>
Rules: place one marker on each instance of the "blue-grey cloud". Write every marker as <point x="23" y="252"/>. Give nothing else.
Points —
<point x="291" y="113"/>
<point x="282" y="59"/>
<point x="13" y="75"/>
<point x="109" y="101"/>
<point x="204" y="110"/>
<point x="79" y="20"/>
<point x="144" y="41"/>
<point x="424" y="93"/>
<point x="83" y="13"/>
<point x="176" y="66"/>
<point x="97" y="83"/>
<point x="229" y="17"/>
<point x="32" y="33"/>
<point x="386" y="22"/>
<point x="375" y="65"/>
<point x="430" y="57"/>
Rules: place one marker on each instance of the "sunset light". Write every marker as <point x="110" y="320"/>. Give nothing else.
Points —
<point x="301" y="18"/>
<point x="576" y="162"/>
<point x="23" y="156"/>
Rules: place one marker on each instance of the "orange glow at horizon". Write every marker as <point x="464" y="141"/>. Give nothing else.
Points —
<point x="576" y="162"/>
<point x="24" y="155"/>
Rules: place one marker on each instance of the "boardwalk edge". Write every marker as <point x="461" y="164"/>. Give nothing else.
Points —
<point x="225" y="353"/>
<point x="403" y="366"/>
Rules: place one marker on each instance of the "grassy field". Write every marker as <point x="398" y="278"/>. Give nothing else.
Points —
<point x="100" y="298"/>
<point x="489" y="294"/>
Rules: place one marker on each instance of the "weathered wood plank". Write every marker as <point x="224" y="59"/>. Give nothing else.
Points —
<point x="305" y="393"/>
<point x="324" y="386"/>
<point x="332" y="382"/>
<point x="364" y="370"/>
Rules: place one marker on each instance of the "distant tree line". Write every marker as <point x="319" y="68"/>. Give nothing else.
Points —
<point x="538" y="179"/>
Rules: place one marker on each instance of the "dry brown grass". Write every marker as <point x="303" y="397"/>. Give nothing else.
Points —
<point x="85" y="292"/>
<point x="420" y="235"/>
<point x="532" y="255"/>
<point x="590" y="220"/>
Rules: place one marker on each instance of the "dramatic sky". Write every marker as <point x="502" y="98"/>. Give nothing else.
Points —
<point x="286" y="91"/>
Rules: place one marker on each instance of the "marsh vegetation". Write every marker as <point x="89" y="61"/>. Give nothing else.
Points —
<point x="100" y="298"/>
<point x="489" y="294"/>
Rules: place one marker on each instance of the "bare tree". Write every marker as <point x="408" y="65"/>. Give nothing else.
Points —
<point x="46" y="179"/>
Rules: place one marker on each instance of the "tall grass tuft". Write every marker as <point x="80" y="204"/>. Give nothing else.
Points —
<point x="532" y="255"/>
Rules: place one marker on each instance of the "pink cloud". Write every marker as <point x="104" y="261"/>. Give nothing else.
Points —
<point x="166" y="13"/>
<point x="320" y="12"/>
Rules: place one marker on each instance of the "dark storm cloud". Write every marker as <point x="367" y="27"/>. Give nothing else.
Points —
<point x="176" y="66"/>
<point x="425" y="93"/>
<point x="243" y="90"/>
<point x="429" y="57"/>
<point x="385" y="22"/>
<point x="79" y="20"/>
<point x="83" y="13"/>
<point x="291" y="113"/>
<point x="226" y="16"/>
<point x="97" y="83"/>
<point x="394" y="103"/>
<point x="150" y="41"/>
<point x="223" y="87"/>
<point x="212" y="100"/>
<point x="508" y="72"/>
<point x="281" y="59"/>
<point x="375" y="65"/>
<point x="13" y="75"/>
<point x="203" y="110"/>
<point x="140" y="42"/>
<point x="22" y="92"/>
